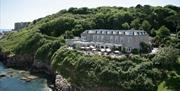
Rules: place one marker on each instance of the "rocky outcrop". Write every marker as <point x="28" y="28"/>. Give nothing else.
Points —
<point x="62" y="84"/>
<point x="3" y="57"/>
<point x="40" y="66"/>
<point x="20" y="61"/>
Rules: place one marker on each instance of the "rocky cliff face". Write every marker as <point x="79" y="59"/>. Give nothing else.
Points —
<point x="25" y="61"/>
<point x="3" y="57"/>
<point x="20" y="61"/>
<point x="62" y="84"/>
<point x="39" y="66"/>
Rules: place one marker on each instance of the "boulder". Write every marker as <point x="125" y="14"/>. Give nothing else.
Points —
<point x="62" y="84"/>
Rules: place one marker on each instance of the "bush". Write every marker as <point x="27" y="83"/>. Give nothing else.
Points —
<point x="30" y="44"/>
<point x="135" y="51"/>
<point x="116" y="73"/>
<point x="47" y="50"/>
<point x="166" y="57"/>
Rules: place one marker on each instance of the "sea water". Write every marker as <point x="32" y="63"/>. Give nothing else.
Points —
<point x="13" y="82"/>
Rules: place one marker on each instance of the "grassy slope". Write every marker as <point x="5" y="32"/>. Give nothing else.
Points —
<point x="11" y="41"/>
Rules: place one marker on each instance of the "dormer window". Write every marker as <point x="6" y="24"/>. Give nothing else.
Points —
<point x="103" y="32"/>
<point x="120" y="32"/>
<point x="114" y="32"/>
<point x="135" y="33"/>
<point x="109" y="32"/>
<point x="98" y="32"/>
<point x="91" y="31"/>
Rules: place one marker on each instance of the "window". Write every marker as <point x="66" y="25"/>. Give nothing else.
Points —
<point x="103" y="32"/>
<point x="120" y="32"/>
<point x="91" y="31"/>
<point x="102" y="38"/>
<point x="111" y="39"/>
<point x="114" y="32"/>
<point x="94" y="38"/>
<point x="98" y="32"/>
<point x="128" y="33"/>
<point x="135" y="33"/>
<point x="109" y="32"/>
<point x="129" y="49"/>
<point x="121" y="39"/>
<point x="116" y="39"/>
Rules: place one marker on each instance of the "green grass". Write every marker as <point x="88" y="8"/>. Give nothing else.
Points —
<point x="12" y="39"/>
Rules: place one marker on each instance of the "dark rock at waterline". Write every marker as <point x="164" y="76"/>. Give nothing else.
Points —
<point x="3" y="57"/>
<point x="20" y="61"/>
<point x="40" y="66"/>
<point x="2" y="75"/>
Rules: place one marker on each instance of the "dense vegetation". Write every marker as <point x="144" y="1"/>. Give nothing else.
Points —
<point x="126" y="73"/>
<point x="44" y="39"/>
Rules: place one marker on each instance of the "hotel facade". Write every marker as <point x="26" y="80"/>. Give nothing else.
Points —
<point x="103" y="39"/>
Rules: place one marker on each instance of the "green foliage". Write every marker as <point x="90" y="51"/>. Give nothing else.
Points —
<point x="144" y="48"/>
<point x="58" y="26"/>
<point x="76" y="20"/>
<point x="166" y="57"/>
<point x="130" y="74"/>
<point x="135" y="23"/>
<point x="125" y="26"/>
<point x="11" y="40"/>
<point x="146" y="26"/>
<point x="163" y="32"/>
<point x="135" y="51"/>
<point x="47" y="50"/>
<point x="30" y="44"/>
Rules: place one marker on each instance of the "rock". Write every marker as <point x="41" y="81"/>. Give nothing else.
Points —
<point x="26" y="79"/>
<point x="61" y="84"/>
<point x="29" y="78"/>
<point x="2" y="75"/>
<point x="20" y="61"/>
<point x="51" y="86"/>
<point x="40" y="66"/>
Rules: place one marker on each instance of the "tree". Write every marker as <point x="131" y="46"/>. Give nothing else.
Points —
<point x="139" y="6"/>
<point x="135" y="51"/>
<point x="144" y="48"/>
<point x="146" y="26"/>
<point x="153" y="32"/>
<point x="166" y="57"/>
<point x="68" y="35"/>
<point x="161" y="14"/>
<point x="163" y="32"/>
<point x="125" y="25"/>
<point x="175" y="19"/>
<point x="135" y="23"/>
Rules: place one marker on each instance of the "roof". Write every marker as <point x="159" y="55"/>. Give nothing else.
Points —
<point x="120" y="32"/>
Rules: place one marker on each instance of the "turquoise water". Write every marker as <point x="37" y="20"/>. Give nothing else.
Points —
<point x="13" y="82"/>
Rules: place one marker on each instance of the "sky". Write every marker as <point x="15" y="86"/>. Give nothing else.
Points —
<point x="12" y="11"/>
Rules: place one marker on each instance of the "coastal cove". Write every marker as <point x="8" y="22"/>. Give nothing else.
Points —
<point x="14" y="80"/>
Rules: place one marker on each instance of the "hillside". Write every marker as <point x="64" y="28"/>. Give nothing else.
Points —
<point x="43" y="41"/>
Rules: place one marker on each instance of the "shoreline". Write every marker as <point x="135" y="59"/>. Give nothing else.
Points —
<point x="31" y="69"/>
<point x="23" y="75"/>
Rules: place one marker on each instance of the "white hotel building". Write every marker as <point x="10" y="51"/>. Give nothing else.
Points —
<point x="103" y="39"/>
